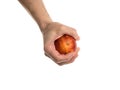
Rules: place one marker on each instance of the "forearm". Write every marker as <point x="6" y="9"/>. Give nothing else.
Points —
<point x="38" y="11"/>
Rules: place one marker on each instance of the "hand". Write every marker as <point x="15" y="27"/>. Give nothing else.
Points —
<point x="53" y="31"/>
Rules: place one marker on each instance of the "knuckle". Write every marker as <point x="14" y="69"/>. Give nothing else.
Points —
<point x="74" y="31"/>
<point x="62" y="27"/>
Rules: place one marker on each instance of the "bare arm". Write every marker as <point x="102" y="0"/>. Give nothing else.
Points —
<point x="38" y="11"/>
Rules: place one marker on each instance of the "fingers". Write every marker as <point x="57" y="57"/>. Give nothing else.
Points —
<point x="59" y="58"/>
<point x="69" y="59"/>
<point x="72" y="59"/>
<point x="69" y="31"/>
<point x="51" y="52"/>
<point x="73" y="33"/>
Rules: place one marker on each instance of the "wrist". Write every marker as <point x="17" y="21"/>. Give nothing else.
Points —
<point x="44" y="24"/>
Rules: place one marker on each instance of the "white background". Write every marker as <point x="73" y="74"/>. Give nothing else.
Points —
<point x="23" y="65"/>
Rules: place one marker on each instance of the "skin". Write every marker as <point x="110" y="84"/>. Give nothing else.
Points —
<point x="51" y="31"/>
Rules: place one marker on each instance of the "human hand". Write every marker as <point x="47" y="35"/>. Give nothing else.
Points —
<point x="53" y="31"/>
